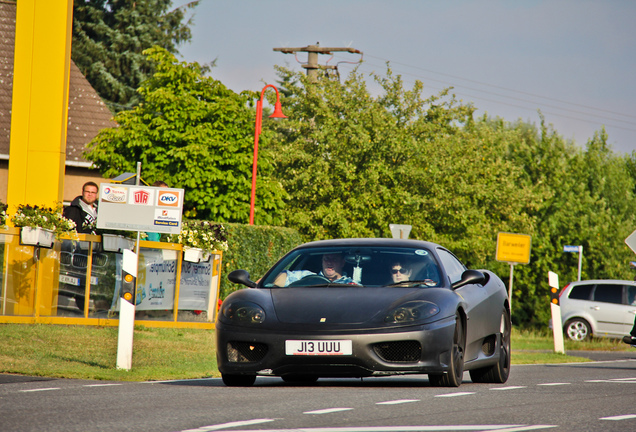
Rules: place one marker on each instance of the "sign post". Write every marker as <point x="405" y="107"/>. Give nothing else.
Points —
<point x="576" y="249"/>
<point x="400" y="231"/>
<point x="555" y="308"/>
<point x="136" y="208"/>
<point x="513" y="249"/>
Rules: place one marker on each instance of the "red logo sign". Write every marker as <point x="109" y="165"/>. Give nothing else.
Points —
<point x="141" y="197"/>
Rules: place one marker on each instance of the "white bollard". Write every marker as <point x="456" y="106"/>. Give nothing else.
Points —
<point x="127" y="310"/>
<point x="555" y="309"/>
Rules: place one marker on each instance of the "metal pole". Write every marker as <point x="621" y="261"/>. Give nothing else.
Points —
<point x="257" y="132"/>
<point x="512" y="266"/>
<point x="580" y="260"/>
<point x="137" y="181"/>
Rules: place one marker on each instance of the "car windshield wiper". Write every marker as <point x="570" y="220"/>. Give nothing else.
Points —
<point x="427" y="282"/>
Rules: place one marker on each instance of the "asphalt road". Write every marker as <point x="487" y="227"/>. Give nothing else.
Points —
<point x="596" y="396"/>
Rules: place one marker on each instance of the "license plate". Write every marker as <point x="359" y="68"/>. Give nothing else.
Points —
<point x="69" y="280"/>
<point x="318" y="347"/>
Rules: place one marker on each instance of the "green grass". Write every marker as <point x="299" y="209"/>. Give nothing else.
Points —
<point x="160" y="354"/>
<point x="91" y="352"/>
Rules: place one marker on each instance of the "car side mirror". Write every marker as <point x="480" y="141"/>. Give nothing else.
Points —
<point x="469" y="277"/>
<point x="241" y="277"/>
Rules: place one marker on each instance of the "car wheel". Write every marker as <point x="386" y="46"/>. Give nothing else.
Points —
<point x="299" y="379"/>
<point x="578" y="329"/>
<point x="238" y="380"/>
<point x="453" y="377"/>
<point x="499" y="372"/>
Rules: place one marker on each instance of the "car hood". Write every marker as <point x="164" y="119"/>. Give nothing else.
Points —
<point x="335" y="305"/>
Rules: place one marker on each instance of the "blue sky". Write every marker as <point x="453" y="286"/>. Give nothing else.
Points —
<point x="575" y="60"/>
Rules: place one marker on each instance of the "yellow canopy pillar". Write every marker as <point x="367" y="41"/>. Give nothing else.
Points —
<point x="39" y="115"/>
<point x="39" y="118"/>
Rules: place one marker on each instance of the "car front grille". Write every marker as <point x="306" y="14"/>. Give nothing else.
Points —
<point x="399" y="351"/>
<point x="245" y="352"/>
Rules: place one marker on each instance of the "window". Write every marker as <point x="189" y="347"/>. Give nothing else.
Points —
<point x="609" y="293"/>
<point x="452" y="265"/>
<point x="581" y="292"/>
<point x="631" y="294"/>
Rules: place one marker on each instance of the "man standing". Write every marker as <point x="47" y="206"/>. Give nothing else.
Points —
<point x="83" y="209"/>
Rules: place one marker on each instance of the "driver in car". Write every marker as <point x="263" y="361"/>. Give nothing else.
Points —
<point x="332" y="265"/>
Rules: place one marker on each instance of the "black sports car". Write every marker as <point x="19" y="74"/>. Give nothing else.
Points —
<point x="366" y="307"/>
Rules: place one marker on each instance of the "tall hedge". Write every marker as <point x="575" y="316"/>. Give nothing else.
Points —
<point x="254" y="248"/>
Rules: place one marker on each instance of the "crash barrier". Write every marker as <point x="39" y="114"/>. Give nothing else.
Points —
<point x="78" y="281"/>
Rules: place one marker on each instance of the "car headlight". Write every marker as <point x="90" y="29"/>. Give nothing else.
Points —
<point x="412" y="311"/>
<point x="244" y="312"/>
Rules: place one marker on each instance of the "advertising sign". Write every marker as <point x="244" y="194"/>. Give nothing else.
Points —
<point x="140" y="208"/>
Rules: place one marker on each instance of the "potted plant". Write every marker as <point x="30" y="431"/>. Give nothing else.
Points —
<point x="3" y="215"/>
<point x="41" y="225"/>
<point x="200" y="239"/>
<point x="117" y="241"/>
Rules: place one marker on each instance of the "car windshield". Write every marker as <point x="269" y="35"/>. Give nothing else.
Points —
<point x="357" y="266"/>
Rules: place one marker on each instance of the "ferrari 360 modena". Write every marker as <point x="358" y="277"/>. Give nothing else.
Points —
<point x="366" y="308"/>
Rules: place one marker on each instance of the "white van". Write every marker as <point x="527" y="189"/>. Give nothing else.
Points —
<point x="600" y="308"/>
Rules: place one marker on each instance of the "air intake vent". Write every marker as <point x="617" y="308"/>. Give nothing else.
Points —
<point x="245" y="352"/>
<point x="399" y="352"/>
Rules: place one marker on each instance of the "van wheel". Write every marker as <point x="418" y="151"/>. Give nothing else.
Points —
<point x="577" y="329"/>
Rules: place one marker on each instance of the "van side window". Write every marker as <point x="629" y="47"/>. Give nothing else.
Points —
<point x="631" y="295"/>
<point x="581" y="292"/>
<point x="609" y="293"/>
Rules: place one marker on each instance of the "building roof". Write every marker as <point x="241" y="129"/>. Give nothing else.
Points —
<point x="87" y="114"/>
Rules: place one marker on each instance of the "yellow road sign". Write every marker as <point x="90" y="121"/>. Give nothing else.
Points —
<point x="513" y="248"/>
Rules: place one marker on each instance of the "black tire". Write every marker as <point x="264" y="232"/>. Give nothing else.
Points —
<point x="577" y="329"/>
<point x="299" y="379"/>
<point x="499" y="372"/>
<point x="453" y="377"/>
<point x="238" y="380"/>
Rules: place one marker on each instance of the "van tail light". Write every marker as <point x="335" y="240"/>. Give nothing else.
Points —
<point x="563" y="290"/>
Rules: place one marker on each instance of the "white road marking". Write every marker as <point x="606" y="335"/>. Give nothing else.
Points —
<point x="554" y="384"/>
<point x="327" y="411"/>
<point x="508" y="388"/>
<point x="40" y="389"/>
<point x="456" y="394"/>
<point x="228" y="425"/>
<point x="620" y="417"/>
<point x="615" y="380"/>
<point x="398" y="401"/>
<point x="441" y="428"/>
<point x="102" y="385"/>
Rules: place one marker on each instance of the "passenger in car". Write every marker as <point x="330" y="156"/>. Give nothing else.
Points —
<point x="400" y="271"/>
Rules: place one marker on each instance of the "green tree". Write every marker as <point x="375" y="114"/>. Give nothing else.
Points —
<point x="588" y="200"/>
<point x="193" y="133"/>
<point x="109" y="37"/>
<point x="353" y="163"/>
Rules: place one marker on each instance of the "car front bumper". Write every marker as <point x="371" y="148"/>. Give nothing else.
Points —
<point x="414" y="349"/>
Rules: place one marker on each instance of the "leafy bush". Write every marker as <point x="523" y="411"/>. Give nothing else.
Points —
<point x="254" y="248"/>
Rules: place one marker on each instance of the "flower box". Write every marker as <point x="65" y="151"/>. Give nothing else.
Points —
<point x="116" y="243"/>
<point x="36" y="236"/>
<point x="195" y="255"/>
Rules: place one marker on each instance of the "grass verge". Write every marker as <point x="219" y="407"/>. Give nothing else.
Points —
<point x="162" y="354"/>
